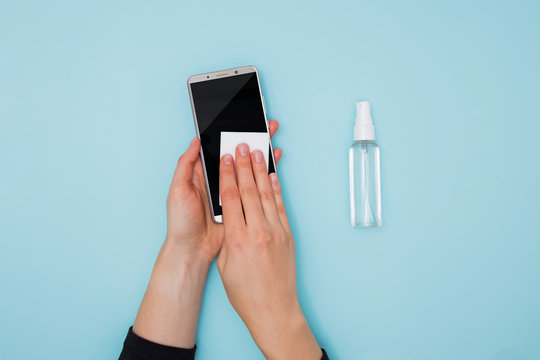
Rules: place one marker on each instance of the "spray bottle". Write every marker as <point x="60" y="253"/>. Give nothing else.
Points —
<point x="364" y="171"/>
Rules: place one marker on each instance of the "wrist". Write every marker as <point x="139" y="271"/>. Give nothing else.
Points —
<point x="186" y="251"/>
<point x="178" y="269"/>
<point x="170" y="308"/>
<point x="287" y="336"/>
<point x="193" y="250"/>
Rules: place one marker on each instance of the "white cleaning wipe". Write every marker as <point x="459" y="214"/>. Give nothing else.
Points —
<point x="255" y="140"/>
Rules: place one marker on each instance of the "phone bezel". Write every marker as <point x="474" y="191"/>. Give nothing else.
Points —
<point x="218" y="75"/>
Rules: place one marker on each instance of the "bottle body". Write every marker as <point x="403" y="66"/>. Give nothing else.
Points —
<point x="365" y="184"/>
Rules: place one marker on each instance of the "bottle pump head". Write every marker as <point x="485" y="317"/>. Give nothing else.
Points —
<point x="363" y="126"/>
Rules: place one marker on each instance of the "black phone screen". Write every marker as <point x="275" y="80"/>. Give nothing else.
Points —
<point x="227" y="104"/>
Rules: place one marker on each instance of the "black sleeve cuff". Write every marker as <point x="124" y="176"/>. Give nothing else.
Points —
<point x="324" y="356"/>
<point x="137" y="348"/>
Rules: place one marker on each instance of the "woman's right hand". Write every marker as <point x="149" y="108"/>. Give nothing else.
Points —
<point x="257" y="262"/>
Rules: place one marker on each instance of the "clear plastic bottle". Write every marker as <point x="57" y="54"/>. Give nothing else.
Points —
<point x="364" y="171"/>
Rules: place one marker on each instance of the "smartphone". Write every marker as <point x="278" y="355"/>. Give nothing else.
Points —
<point x="226" y="101"/>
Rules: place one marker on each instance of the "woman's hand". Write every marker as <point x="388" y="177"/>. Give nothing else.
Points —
<point x="189" y="220"/>
<point x="170" y="308"/>
<point x="257" y="263"/>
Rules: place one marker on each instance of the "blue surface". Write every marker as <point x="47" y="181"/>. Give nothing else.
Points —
<point x="94" y="112"/>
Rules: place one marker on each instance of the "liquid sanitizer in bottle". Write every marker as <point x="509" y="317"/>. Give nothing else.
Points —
<point x="364" y="171"/>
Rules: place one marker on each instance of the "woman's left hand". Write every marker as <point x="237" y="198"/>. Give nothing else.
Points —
<point x="189" y="219"/>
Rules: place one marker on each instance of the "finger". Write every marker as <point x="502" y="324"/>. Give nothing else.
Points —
<point x="247" y="187"/>
<point x="198" y="175"/>
<point x="266" y="193"/>
<point x="230" y="195"/>
<point x="200" y="184"/>
<point x="186" y="163"/>
<point x="280" y="206"/>
<point x="277" y="155"/>
<point x="273" y="127"/>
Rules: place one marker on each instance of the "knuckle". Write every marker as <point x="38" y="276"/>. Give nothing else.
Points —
<point x="243" y="165"/>
<point x="266" y="195"/>
<point x="174" y="190"/>
<point x="281" y="240"/>
<point x="259" y="167"/>
<point x="181" y="159"/>
<point x="249" y="191"/>
<point x="226" y="170"/>
<point x="263" y="237"/>
<point x="237" y="240"/>
<point x="281" y="209"/>
<point x="284" y="237"/>
<point x="237" y="244"/>
<point x="235" y="232"/>
<point x="230" y="193"/>
<point x="177" y="191"/>
<point x="234" y="237"/>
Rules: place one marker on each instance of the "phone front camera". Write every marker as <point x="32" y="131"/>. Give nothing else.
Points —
<point x="208" y="77"/>
<point x="236" y="72"/>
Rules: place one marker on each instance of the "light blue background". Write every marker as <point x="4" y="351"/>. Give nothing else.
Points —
<point x="94" y="113"/>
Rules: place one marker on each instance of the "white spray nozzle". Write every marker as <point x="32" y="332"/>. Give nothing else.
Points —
<point x="363" y="127"/>
<point x="363" y="113"/>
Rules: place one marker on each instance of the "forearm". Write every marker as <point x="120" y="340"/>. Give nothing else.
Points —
<point x="169" y="311"/>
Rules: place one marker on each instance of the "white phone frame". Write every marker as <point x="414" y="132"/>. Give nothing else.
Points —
<point x="218" y="75"/>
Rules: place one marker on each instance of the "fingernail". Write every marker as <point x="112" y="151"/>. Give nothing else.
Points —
<point x="258" y="156"/>
<point x="274" y="179"/>
<point x="227" y="159"/>
<point x="243" y="149"/>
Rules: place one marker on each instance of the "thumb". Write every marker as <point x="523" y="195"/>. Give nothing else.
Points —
<point x="186" y="163"/>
